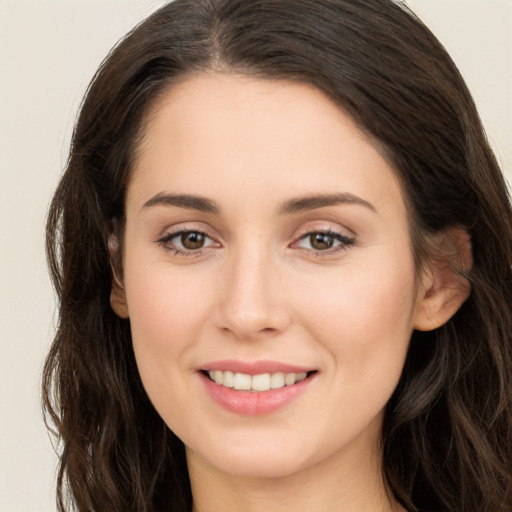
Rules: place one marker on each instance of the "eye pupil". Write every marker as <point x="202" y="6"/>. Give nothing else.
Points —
<point x="321" y="241"/>
<point x="192" y="240"/>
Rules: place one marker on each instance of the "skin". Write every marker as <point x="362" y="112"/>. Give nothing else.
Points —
<point x="258" y="289"/>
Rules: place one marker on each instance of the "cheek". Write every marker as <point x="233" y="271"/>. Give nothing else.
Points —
<point x="167" y="315"/>
<point x="365" y="320"/>
<point x="163" y="301"/>
<point x="365" y="329"/>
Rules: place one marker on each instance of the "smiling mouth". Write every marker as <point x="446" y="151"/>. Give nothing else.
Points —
<point x="256" y="383"/>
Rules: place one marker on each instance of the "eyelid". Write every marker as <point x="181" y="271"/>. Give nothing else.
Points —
<point x="323" y="226"/>
<point x="187" y="227"/>
<point x="171" y="233"/>
<point x="335" y="234"/>
<point x="345" y="240"/>
<point x="176" y="234"/>
<point x="344" y="237"/>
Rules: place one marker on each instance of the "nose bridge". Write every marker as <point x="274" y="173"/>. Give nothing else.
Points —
<point x="250" y="300"/>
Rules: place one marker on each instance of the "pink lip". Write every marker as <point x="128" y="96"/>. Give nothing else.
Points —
<point x="251" y="403"/>
<point x="254" y="367"/>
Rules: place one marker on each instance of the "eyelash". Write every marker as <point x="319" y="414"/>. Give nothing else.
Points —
<point x="168" y="237"/>
<point x="344" y="242"/>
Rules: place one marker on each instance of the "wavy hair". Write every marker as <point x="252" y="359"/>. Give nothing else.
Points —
<point x="447" y="435"/>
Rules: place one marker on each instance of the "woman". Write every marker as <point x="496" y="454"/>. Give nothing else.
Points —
<point x="282" y="248"/>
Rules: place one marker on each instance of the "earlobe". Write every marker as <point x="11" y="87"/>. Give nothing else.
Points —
<point x="443" y="288"/>
<point x="117" y="293"/>
<point x="118" y="298"/>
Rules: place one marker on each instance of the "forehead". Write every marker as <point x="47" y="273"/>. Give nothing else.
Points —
<point x="261" y="137"/>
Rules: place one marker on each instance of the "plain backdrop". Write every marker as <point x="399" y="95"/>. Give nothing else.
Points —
<point x="49" y="50"/>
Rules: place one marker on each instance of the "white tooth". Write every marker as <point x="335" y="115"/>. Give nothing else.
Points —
<point x="228" y="379"/>
<point x="218" y="376"/>
<point x="301" y="376"/>
<point x="261" y="382"/>
<point x="277" y="380"/>
<point x="289" y="378"/>
<point x="211" y="373"/>
<point x="242" y="381"/>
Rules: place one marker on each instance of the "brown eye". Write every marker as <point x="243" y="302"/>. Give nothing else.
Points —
<point x="324" y="242"/>
<point x="187" y="243"/>
<point x="192" y="240"/>
<point x="321" y="241"/>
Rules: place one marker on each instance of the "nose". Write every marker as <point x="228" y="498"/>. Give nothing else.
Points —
<point x="251" y="300"/>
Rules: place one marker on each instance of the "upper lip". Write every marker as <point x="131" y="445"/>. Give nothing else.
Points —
<point x="254" y="367"/>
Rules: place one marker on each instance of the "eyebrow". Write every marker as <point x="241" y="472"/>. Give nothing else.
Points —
<point x="312" y="202"/>
<point x="188" y="201"/>
<point x="296" y="205"/>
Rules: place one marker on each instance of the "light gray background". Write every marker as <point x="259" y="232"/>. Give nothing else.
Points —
<point x="49" y="49"/>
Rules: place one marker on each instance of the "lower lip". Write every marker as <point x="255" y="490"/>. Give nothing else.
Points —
<point x="255" y="403"/>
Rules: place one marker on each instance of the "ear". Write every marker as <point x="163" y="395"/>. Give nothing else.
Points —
<point x="117" y="293"/>
<point x="443" y="288"/>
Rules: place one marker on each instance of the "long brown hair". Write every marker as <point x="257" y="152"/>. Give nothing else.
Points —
<point x="447" y="438"/>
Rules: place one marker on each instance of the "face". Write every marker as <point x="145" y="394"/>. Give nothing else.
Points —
<point x="267" y="248"/>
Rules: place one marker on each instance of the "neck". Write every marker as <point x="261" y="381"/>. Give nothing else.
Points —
<point x="348" y="485"/>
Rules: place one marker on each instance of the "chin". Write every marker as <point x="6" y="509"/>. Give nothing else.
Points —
<point x="259" y="466"/>
<point x="256" y="458"/>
